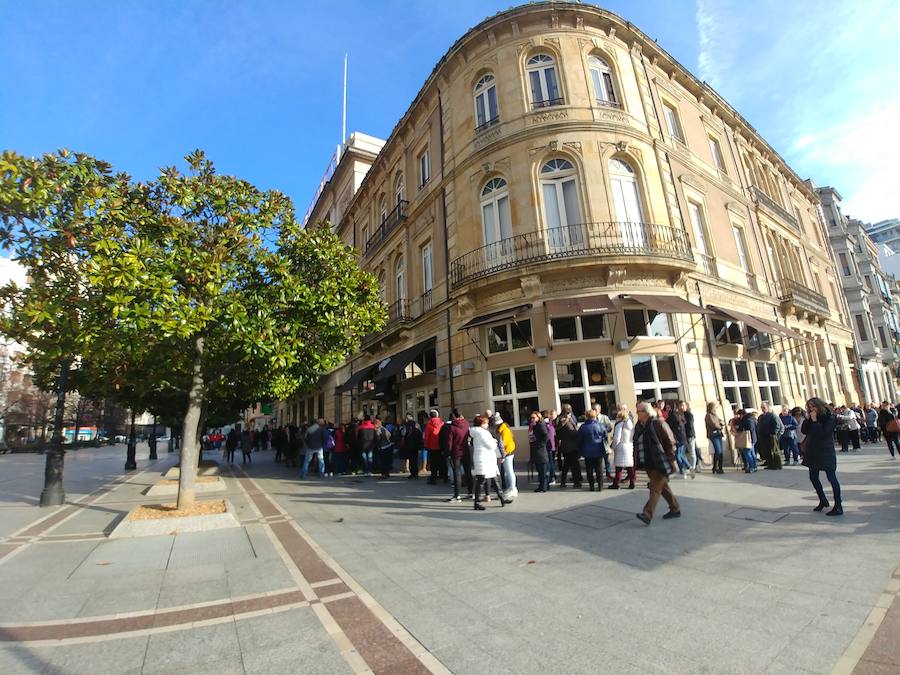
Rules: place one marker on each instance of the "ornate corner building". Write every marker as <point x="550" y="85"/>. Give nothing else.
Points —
<point x="565" y="214"/>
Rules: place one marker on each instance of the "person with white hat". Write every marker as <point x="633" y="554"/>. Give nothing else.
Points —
<point x="507" y="445"/>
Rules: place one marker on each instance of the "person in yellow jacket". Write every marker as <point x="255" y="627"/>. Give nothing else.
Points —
<point x="507" y="451"/>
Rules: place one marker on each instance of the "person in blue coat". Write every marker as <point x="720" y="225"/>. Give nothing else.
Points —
<point x="788" y="439"/>
<point x="591" y="442"/>
<point x="819" y="454"/>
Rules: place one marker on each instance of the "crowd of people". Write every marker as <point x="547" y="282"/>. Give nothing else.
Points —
<point x="477" y="457"/>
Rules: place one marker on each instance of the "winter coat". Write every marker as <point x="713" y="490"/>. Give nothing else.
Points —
<point x="658" y="446"/>
<point x="459" y="437"/>
<point x="591" y="439"/>
<point x="538" y="442"/>
<point x="484" y="452"/>
<point x="623" y="447"/>
<point x="790" y="426"/>
<point x="675" y="420"/>
<point x="316" y="436"/>
<point x="714" y="424"/>
<point x="340" y="445"/>
<point x="819" y="454"/>
<point x="506" y="436"/>
<point x="432" y="429"/>
<point x="365" y="432"/>
<point x="444" y="437"/>
<point x="769" y="425"/>
<point x="689" y="430"/>
<point x="412" y="440"/>
<point x="847" y="420"/>
<point x="551" y="435"/>
<point x="566" y="434"/>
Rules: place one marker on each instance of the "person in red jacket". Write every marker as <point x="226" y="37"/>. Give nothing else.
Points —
<point x="430" y="434"/>
<point x="340" y="452"/>
<point x="365" y="434"/>
<point x="460" y="447"/>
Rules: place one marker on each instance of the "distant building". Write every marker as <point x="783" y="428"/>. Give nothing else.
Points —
<point x="885" y="232"/>
<point x="869" y="293"/>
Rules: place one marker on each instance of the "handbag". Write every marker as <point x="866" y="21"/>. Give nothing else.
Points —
<point x="893" y="427"/>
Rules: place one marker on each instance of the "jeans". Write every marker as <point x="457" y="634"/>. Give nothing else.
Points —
<point x="570" y="462"/>
<point x="683" y="464"/>
<point x="551" y="464"/>
<point x="831" y="475"/>
<point x="319" y="454"/>
<point x="606" y="467"/>
<point x="749" y="455"/>
<point x="509" y="473"/>
<point x="367" y="461"/>
<point x="716" y="442"/>
<point x="659" y="487"/>
<point x="462" y="469"/>
<point x="543" y="483"/>
<point x="790" y="447"/>
<point x="592" y="468"/>
<point x="893" y="440"/>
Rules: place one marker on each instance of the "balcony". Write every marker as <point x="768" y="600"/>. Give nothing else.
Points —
<point x="487" y="125"/>
<point x="398" y="315"/>
<point x="708" y="265"/>
<point x="547" y="103"/>
<point x="388" y="225"/>
<point x="586" y="240"/>
<point x="802" y="300"/>
<point x="760" y="198"/>
<point x="421" y="305"/>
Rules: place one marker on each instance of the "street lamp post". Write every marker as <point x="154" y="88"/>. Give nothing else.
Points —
<point x="53" y="493"/>
<point x="153" y="441"/>
<point x="130" y="463"/>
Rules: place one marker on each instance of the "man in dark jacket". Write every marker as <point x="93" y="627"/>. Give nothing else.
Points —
<point x="566" y="438"/>
<point x="365" y="434"/>
<point x="768" y="430"/>
<point x="654" y="448"/>
<point x="538" y="437"/>
<point x="412" y="444"/>
<point x="444" y="447"/>
<point x="460" y="449"/>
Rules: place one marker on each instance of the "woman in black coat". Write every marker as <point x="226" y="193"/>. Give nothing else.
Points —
<point x="539" y="437"/>
<point x="819" y="454"/>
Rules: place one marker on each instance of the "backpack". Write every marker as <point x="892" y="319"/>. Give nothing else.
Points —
<point x="329" y="442"/>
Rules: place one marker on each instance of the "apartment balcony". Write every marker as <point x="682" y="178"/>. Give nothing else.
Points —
<point x="763" y="200"/>
<point x="399" y="315"/>
<point x="388" y="225"/>
<point x="708" y="265"/>
<point x="422" y="304"/>
<point x="796" y="297"/>
<point x="547" y="103"/>
<point x="610" y="241"/>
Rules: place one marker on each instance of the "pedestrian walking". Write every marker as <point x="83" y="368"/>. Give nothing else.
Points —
<point x="890" y="428"/>
<point x="654" y="449"/>
<point x="316" y="437"/>
<point x="566" y="435"/>
<point x="715" y="435"/>
<point x="591" y="440"/>
<point x="367" y="443"/>
<point x="432" y="446"/>
<point x="788" y="440"/>
<point x="231" y="443"/>
<point x="246" y="446"/>
<point x="623" y="446"/>
<point x="460" y="451"/>
<point x="485" y="453"/>
<point x="820" y="454"/>
<point x="537" y="438"/>
<point x="676" y="422"/>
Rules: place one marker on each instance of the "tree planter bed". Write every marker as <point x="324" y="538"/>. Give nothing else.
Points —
<point x="155" y="519"/>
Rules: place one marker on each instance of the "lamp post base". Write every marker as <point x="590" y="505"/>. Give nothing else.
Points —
<point x="130" y="461"/>
<point x="53" y="493"/>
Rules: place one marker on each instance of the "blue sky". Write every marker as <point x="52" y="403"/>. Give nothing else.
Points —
<point x="258" y="84"/>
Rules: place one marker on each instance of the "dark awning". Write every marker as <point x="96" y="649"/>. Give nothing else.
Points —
<point x="668" y="304"/>
<point x="762" y="325"/>
<point x="593" y="304"/>
<point x="394" y="365"/>
<point x="493" y="317"/>
<point x="357" y="378"/>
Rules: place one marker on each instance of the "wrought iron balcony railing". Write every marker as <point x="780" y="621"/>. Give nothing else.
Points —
<point x="391" y="220"/>
<point x="708" y="265"/>
<point x="608" y="104"/>
<point x="547" y="103"/>
<point x="584" y="240"/>
<point x="797" y="294"/>
<point x="398" y="314"/>
<point x="764" y="200"/>
<point x="487" y="125"/>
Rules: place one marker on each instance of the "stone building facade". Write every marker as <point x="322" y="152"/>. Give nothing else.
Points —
<point x="565" y="214"/>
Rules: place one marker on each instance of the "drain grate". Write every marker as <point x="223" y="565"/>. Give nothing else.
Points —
<point x="757" y="515"/>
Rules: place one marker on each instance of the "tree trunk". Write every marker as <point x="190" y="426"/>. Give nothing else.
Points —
<point x="189" y="451"/>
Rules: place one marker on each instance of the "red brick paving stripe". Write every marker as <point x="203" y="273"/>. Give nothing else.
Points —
<point x="159" y="619"/>
<point x="380" y="648"/>
<point x="6" y="549"/>
<point x="45" y="525"/>
<point x="332" y="589"/>
<point x="311" y="566"/>
<point x="883" y="655"/>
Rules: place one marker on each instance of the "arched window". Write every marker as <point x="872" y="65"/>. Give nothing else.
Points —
<point x="627" y="202"/>
<point x="382" y="210"/>
<point x="400" y="279"/>
<point x="486" y="112"/>
<point x="602" y="79"/>
<point x="541" y="71"/>
<point x="399" y="189"/>
<point x="562" y="213"/>
<point x="495" y="220"/>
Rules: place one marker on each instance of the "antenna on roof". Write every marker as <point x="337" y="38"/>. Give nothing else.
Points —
<point x="344" y="115"/>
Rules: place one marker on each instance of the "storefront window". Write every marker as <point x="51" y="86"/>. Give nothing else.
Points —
<point x="655" y="377"/>
<point x="647" y="323"/>
<point x="514" y="394"/>
<point x="737" y="384"/>
<point x="768" y="383"/>
<point x="517" y="334"/>
<point x="574" y="328"/>
<point x="583" y="382"/>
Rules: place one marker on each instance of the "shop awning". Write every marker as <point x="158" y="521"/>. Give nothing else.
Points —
<point x="762" y="325"/>
<point x="668" y="304"/>
<point x="394" y="365"/>
<point x="494" y="317"/>
<point x="593" y="304"/>
<point x="357" y="378"/>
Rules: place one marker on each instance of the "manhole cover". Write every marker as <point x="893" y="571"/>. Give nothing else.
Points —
<point x="596" y="518"/>
<point x="757" y="515"/>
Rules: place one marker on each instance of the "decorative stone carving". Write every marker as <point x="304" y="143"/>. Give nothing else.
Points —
<point x="579" y="23"/>
<point x="486" y="137"/>
<point x="464" y="306"/>
<point x="693" y="181"/>
<point x="615" y="275"/>
<point x="574" y="146"/>
<point x="549" y="116"/>
<point x="515" y="28"/>
<point x="612" y="116"/>
<point x="553" y="41"/>
<point x="622" y="146"/>
<point x="554" y="19"/>
<point x="492" y="39"/>
<point x="531" y="285"/>
<point x="612" y="31"/>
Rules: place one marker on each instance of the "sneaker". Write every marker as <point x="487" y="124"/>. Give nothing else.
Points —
<point x="693" y="475"/>
<point x="478" y="507"/>
<point x="454" y="499"/>
<point x="672" y="514"/>
<point x="469" y="496"/>
<point x="641" y="517"/>
<point x="684" y="476"/>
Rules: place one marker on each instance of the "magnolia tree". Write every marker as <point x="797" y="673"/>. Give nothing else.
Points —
<point x="256" y="306"/>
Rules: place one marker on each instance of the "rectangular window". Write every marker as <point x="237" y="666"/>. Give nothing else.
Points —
<point x="647" y="323"/>
<point x="427" y="269"/>
<point x="655" y="377"/>
<point x="575" y="328"/>
<point x="673" y="123"/>
<point x="737" y="384"/>
<point x="514" y="394"/>
<point x="861" y="328"/>
<point x="716" y="151"/>
<point x="882" y="337"/>
<point x="768" y="383"/>
<point x="583" y="382"/>
<point x="727" y="332"/>
<point x="699" y="224"/>
<point x="508" y="336"/>
<point x="424" y="168"/>
<point x="741" y="245"/>
<point x="845" y="264"/>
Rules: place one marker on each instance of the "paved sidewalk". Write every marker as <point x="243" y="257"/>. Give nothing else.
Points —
<point x="353" y="574"/>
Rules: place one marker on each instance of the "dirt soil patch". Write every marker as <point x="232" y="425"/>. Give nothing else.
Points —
<point x="157" y="511"/>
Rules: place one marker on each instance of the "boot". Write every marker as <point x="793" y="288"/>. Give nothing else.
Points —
<point x="838" y="510"/>
<point x="823" y="504"/>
